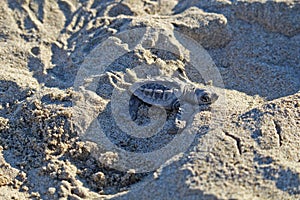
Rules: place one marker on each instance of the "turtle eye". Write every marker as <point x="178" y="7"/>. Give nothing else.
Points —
<point x="205" y="98"/>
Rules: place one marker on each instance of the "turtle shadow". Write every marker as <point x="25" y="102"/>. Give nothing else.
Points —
<point x="128" y="142"/>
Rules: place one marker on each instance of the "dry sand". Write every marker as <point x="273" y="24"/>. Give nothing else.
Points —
<point x="54" y="91"/>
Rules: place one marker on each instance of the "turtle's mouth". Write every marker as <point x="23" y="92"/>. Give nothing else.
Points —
<point x="214" y="97"/>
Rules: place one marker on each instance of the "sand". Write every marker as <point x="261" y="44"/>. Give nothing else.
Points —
<point x="65" y="126"/>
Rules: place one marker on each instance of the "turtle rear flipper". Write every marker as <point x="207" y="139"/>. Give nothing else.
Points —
<point x="134" y="104"/>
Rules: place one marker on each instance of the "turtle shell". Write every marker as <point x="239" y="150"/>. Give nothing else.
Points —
<point x="163" y="92"/>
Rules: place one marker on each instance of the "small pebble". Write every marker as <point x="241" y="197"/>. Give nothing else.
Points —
<point x="25" y="188"/>
<point x="35" y="194"/>
<point x="51" y="190"/>
<point x="99" y="177"/>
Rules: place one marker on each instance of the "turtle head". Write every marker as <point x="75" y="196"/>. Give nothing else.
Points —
<point x="205" y="97"/>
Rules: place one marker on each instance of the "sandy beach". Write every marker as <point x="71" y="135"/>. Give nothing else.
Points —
<point x="72" y="125"/>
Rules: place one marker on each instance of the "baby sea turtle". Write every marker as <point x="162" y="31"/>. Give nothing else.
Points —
<point x="173" y="94"/>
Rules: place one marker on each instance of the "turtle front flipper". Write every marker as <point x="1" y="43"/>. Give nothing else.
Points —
<point x="182" y="117"/>
<point x="180" y="123"/>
